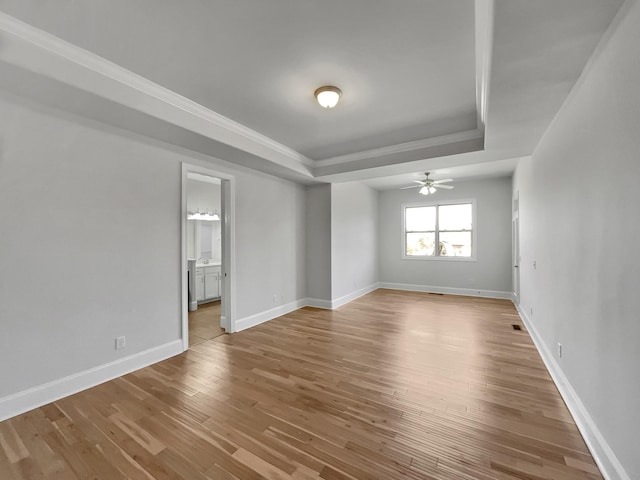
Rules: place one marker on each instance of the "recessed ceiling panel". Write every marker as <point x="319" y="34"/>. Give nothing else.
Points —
<point x="406" y="67"/>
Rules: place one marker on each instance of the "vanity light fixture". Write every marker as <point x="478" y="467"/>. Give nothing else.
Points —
<point x="328" y="96"/>
<point x="207" y="215"/>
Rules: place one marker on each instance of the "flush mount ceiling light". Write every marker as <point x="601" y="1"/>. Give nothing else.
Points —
<point x="328" y="96"/>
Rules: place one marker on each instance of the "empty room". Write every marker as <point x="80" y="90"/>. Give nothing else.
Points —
<point x="319" y="240"/>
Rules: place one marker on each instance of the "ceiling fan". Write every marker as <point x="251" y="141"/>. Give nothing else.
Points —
<point x="429" y="186"/>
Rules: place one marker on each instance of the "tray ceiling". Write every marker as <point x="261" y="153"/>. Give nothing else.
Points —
<point x="426" y="84"/>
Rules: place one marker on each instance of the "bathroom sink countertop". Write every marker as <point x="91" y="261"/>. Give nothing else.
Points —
<point x="210" y="264"/>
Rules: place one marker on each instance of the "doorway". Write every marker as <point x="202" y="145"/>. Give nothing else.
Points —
<point x="204" y="323"/>
<point x="207" y="254"/>
<point x="515" y="239"/>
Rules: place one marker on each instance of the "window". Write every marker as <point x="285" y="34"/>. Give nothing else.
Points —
<point x="449" y="226"/>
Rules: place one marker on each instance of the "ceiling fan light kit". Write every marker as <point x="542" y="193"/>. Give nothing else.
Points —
<point x="328" y="96"/>
<point x="427" y="190"/>
<point x="429" y="186"/>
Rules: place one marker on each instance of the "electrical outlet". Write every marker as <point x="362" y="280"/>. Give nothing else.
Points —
<point x="532" y="311"/>
<point x="275" y="298"/>
<point x="535" y="265"/>
<point x="121" y="342"/>
<point x="559" y="350"/>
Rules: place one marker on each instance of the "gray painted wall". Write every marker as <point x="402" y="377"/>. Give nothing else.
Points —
<point x="490" y="272"/>
<point x="318" y="224"/>
<point x="203" y="195"/>
<point x="90" y="243"/>
<point x="579" y="200"/>
<point x="354" y="238"/>
<point x="270" y="243"/>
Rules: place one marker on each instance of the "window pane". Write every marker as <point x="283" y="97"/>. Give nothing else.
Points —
<point x="420" y="219"/>
<point x="420" y="243"/>
<point x="455" y="217"/>
<point x="455" y="244"/>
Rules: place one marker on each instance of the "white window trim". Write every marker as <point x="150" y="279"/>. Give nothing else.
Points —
<point x="474" y="231"/>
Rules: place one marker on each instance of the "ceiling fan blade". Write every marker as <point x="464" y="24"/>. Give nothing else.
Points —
<point x="447" y="187"/>
<point x="421" y="182"/>
<point x="444" y="180"/>
<point x="412" y="186"/>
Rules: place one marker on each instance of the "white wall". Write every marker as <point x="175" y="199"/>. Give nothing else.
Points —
<point x="270" y="243"/>
<point x="191" y="236"/>
<point x="318" y="223"/>
<point x="89" y="246"/>
<point x="354" y="240"/>
<point x="579" y="199"/>
<point x="90" y="243"/>
<point x="490" y="274"/>
<point x="203" y="195"/>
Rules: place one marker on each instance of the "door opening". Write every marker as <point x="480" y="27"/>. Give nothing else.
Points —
<point x="204" y="257"/>
<point x="207" y="254"/>
<point x="515" y="248"/>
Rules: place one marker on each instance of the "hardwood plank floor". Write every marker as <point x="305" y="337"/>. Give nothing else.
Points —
<point x="395" y="385"/>
<point x="204" y="323"/>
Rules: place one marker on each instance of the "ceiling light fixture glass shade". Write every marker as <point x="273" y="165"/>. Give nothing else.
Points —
<point x="328" y="96"/>
<point x="207" y="215"/>
<point x="427" y="190"/>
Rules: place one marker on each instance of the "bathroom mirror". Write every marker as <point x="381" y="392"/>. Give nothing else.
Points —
<point x="206" y="241"/>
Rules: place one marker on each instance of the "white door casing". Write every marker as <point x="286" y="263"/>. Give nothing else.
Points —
<point x="226" y="279"/>
<point x="515" y="248"/>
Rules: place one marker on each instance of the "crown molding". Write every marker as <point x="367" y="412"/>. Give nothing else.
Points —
<point x="484" y="48"/>
<point x="402" y="148"/>
<point x="40" y="52"/>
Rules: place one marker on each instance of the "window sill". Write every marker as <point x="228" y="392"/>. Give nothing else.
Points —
<point x="439" y="259"/>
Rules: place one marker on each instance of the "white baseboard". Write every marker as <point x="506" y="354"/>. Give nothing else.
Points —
<point x="338" y="302"/>
<point x="468" y="292"/>
<point x="267" y="315"/>
<point x="317" y="303"/>
<point x="609" y="465"/>
<point x="35" y="397"/>
<point x="258" y="318"/>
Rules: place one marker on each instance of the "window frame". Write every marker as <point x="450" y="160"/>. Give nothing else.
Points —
<point x="438" y="258"/>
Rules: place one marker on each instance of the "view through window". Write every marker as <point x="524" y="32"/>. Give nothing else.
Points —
<point x="448" y="226"/>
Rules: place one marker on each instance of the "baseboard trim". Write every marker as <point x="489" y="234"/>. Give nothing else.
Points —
<point x="317" y="303"/>
<point x="609" y="465"/>
<point x="258" y="318"/>
<point x="339" y="302"/>
<point x="467" y="292"/>
<point x="26" y="400"/>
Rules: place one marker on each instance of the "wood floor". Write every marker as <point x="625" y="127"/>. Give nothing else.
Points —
<point x="204" y="323"/>
<point x="395" y="385"/>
